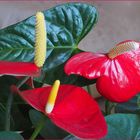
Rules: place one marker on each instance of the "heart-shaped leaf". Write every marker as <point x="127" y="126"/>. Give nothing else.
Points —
<point x="66" y="25"/>
<point x="123" y="127"/>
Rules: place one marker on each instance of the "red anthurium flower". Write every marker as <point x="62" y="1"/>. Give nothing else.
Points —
<point x="74" y="109"/>
<point x="19" y="68"/>
<point x="117" y="73"/>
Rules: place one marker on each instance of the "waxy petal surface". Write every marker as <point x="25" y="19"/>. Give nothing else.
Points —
<point x="87" y="64"/>
<point x="18" y="68"/>
<point x="117" y="79"/>
<point x="75" y="110"/>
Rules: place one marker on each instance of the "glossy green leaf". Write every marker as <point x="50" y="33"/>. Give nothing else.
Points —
<point x="49" y="130"/>
<point x="131" y="106"/>
<point x="66" y="25"/>
<point x="123" y="127"/>
<point x="5" y="135"/>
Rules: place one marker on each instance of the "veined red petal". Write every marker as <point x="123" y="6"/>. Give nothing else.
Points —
<point x="87" y="64"/>
<point x="18" y="68"/>
<point x="117" y="79"/>
<point x="121" y="82"/>
<point x="75" y="110"/>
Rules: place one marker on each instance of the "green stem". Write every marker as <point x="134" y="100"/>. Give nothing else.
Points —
<point x="38" y="128"/>
<point x="9" y="105"/>
<point x="20" y="83"/>
<point x="111" y="107"/>
<point x="89" y="90"/>
<point x="106" y="107"/>
<point x="8" y="112"/>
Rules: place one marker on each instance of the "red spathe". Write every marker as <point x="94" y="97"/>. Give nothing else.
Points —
<point x="19" y="68"/>
<point x="75" y="110"/>
<point x="118" y="79"/>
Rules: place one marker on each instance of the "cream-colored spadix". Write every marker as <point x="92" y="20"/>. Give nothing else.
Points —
<point x="52" y="97"/>
<point x="122" y="48"/>
<point x="40" y="40"/>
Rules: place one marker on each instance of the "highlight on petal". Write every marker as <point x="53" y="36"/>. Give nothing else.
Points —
<point x="18" y="68"/>
<point x="87" y="64"/>
<point x="75" y="110"/>
<point x="118" y="77"/>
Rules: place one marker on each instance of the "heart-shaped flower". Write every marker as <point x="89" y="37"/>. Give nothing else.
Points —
<point x="117" y="72"/>
<point x="72" y="109"/>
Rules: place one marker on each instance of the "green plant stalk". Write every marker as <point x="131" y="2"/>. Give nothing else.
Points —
<point x="38" y="128"/>
<point x="9" y="105"/>
<point x="138" y="101"/>
<point x="89" y="90"/>
<point x="111" y="107"/>
<point x="107" y="104"/>
<point x="8" y="112"/>
<point x="108" y="107"/>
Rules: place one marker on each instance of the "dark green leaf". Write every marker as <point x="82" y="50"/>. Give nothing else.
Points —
<point x="20" y="120"/>
<point x="123" y="127"/>
<point x="18" y="111"/>
<point x="4" y="135"/>
<point x="66" y="25"/>
<point x="132" y="106"/>
<point x="5" y="83"/>
<point x="49" y="130"/>
<point x="2" y="116"/>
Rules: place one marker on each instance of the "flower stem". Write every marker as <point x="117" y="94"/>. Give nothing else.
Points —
<point x="8" y="112"/>
<point x="109" y="107"/>
<point x="107" y="104"/>
<point x="9" y="105"/>
<point x="89" y="90"/>
<point x="20" y="83"/>
<point x="38" y="128"/>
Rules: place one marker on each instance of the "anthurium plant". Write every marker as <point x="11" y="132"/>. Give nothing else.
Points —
<point x="43" y="72"/>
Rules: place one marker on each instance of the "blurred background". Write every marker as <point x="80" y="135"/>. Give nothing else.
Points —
<point x="118" y="21"/>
